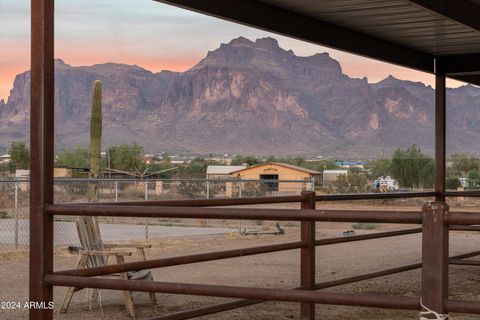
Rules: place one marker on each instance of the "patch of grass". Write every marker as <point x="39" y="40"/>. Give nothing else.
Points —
<point x="364" y="226"/>
<point x="4" y="215"/>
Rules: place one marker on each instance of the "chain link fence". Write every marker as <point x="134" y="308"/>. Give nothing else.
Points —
<point x="14" y="208"/>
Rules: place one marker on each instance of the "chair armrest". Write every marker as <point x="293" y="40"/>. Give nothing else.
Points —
<point x="119" y="245"/>
<point x="106" y="253"/>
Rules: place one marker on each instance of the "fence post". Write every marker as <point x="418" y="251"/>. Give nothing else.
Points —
<point x="240" y="189"/>
<point x="207" y="185"/>
<point x="116" y="191"/>
<point x="145" y="187"/>
<point x="146" y="230"/>
<point x="307" y="257"/>
<point x="434" y="257"/>
<point x="16" y="214"/>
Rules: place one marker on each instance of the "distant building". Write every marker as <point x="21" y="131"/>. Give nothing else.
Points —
<point x="222" y="172"/>
<point x="350" y="164"/>
<point x="22" y="174"/>
<point x="5" y="158"/>
<point x="330" y="176"/>
<point x="62" y="172"/>
<point x="277" y="174"/>
<point x="179" y="160"/>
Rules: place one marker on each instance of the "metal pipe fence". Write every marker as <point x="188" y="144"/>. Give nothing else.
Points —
<point x="14" y="207"/>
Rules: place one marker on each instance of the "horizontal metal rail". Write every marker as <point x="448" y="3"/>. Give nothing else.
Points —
<point x="462" y="218"/>
<point x="373" y="196"/>
<point x="461" y="262"/>
<point x="384" y="216"/>
<point x="362" y="237"/>
<point x="349" y="299"/>
<point x="183" y="315"/>
<point x="462" y="306"/>
<point x="219" y="255"/>
<point x="471" y="193"/>
<point x="217" y="202"/>
<point x="181" y="260"/>
<point x="464" y="228"/>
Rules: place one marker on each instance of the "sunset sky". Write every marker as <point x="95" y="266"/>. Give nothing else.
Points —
<point x="149" y="34"/>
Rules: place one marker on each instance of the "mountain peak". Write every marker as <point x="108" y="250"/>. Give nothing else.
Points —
<point x="239" y="42"/>
<point x="267" y="44"/>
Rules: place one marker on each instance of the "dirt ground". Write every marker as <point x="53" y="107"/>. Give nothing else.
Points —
<point x="275" y="270"/>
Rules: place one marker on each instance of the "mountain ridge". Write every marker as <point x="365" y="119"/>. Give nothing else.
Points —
<point x="248" y="97"/>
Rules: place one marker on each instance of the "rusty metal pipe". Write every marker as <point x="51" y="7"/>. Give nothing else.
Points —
<point x="463" y="306"/>
<point x="200" y="312"/>
<point x="378" y="235"/>
<point x="463" y="218"/>
<point x="373" y="196"/>
<point x="211" y="202"/>
<point x="384" y="216"/>
<point x="353" y="299"/>
<point x="183" y="315"/>
<point x="460" y="262"/>
<point x="175" y="261"/>
<point x="471" y="193"/>
<point x="464" y="228"/>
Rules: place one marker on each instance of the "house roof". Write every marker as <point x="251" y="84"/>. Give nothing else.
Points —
<point x="335" y="171"/>
<point x="428" y="35"/>
<point x="286" y="165"/>
<point x="223" y="169"/>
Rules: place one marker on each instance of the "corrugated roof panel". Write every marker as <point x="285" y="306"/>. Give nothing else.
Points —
<point x="397" y="21"/>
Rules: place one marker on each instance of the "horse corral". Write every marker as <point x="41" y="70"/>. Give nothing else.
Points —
<point x="322" y="22"/>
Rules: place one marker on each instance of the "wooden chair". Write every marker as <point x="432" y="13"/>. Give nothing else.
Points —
<point x="95" y="253"/>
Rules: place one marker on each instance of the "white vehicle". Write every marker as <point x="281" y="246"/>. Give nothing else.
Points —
<point x="385" y="184"/>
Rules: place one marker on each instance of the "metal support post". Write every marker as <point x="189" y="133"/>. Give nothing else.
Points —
<point x="435" y="257"/>
<point x="307" y="257"/>
<point x="440" y="134"/>
<point x="16" y="214"/>
<point x="42" y="156"/>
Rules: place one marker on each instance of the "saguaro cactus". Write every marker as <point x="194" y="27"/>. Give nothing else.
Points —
<point x="90" y="223"/>
<point x="95" y="139"/>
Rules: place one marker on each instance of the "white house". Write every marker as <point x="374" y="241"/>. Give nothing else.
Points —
<point x="222" y="172"/>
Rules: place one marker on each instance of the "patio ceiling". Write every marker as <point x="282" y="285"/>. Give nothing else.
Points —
<point x="440" y="36"/>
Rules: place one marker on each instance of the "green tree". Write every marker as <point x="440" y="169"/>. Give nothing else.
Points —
<point x="341" y="184"/>
<point x="473" y="178"/>
<point x="248" y="160"/>
<point x="452" y="183"/>
<point x="197" y="168"/>
<point x="126" y="157"/>
<point x="379" y="168"/>
<point x="20" y="155"/>
<point x="463" y="163"/>
<point x="74" y="158"/>
<point x="412" y="168"/>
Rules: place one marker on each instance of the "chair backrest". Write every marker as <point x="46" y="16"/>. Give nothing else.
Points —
<point x="91" y="240"/>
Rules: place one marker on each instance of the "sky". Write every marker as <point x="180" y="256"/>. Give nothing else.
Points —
<point x="149" y="34"/>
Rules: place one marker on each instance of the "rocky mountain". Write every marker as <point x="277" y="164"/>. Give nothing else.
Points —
<point x="248" y="97"/>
